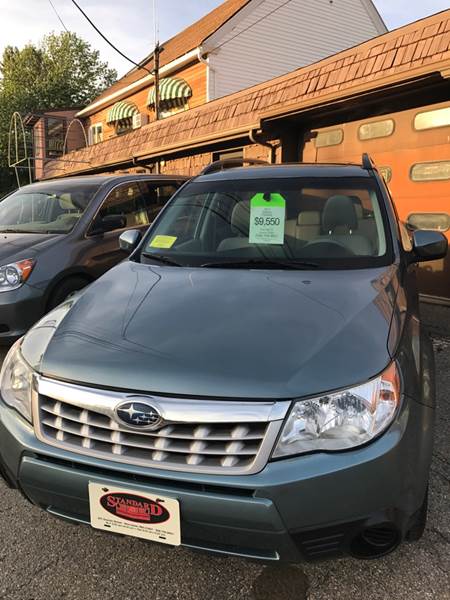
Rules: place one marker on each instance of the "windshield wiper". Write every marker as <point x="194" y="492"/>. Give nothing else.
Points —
<point x="162" y="259"/>
<point x="295" y="265"/>
<point x="20" y="231"/>
<point x="41" y="231"/>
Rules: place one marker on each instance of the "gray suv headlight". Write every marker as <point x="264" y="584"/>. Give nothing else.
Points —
<point x="16" y="382"/>
<point x="341" y="420"/>
<point x="14" y="275"/>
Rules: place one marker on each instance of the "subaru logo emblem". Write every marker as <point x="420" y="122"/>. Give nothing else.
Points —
<point x="139" y="414"/>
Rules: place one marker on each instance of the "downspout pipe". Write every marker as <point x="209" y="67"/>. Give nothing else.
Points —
<point x="253" y="134"/>
<point x="201" y="55"/>
<point x="209" y="70"/>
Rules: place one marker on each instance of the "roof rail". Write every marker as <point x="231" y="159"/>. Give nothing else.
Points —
<point x="368" y="163"/>
<point x="228" y="163"/>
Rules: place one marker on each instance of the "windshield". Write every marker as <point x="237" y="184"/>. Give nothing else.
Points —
<point x="273" y="223"/>
<point x="55" y="208"/>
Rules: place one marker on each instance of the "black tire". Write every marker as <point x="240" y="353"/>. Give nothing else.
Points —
<point x="417" y="529"/>
<point x="64" y="289"/>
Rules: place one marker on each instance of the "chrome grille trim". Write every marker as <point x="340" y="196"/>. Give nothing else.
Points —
<point x="204" y="436"/>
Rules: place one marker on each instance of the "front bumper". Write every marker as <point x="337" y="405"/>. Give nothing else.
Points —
<point x="302" y="508"/>
<point x="19" y="310"/>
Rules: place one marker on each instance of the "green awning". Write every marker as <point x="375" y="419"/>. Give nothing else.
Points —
<point x="173" y="93"/>
<point x="121" y="110"/>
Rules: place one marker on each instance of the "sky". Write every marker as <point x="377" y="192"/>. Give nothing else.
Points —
<point x="129" y="24"/>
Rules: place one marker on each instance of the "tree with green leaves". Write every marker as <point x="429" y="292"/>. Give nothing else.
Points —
<point x="62" y="71"/>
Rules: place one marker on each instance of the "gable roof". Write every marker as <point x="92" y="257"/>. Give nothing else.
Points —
<point x="190" y="38"/>
<point x="416" y="50"/>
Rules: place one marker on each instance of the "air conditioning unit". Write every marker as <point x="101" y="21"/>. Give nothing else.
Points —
<point x="139" y="120"/>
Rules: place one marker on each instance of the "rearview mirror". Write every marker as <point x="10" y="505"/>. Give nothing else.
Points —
<point x="429" y="245"/>
<point x="129" y="240"/>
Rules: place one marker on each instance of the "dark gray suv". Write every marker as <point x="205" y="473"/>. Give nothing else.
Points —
<point x="58" y="236"/>
<point x="254" y="381"/>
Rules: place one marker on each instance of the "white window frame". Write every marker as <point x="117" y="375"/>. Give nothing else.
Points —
<point x="95" y="134"/>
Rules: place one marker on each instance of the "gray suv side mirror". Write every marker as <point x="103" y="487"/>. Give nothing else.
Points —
<point x="108" y="223"/>
<point x="429" y="245"/>
<point x="129" y="240"/>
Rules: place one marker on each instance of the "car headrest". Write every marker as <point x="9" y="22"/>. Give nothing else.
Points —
<point x="358" y="207"/>
<point x="339" y="211"/>
<point x="240" y="219"/>
<point x="309" y="217"/>
<point x="66" y="203"/>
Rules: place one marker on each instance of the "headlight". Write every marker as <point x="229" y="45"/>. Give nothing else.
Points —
<point x="16" y="382"/>
<point x="343" y="419"/>
<point x="14" y="275"/>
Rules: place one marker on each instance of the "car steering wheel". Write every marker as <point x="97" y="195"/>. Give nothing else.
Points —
<point x="326" y="243"/>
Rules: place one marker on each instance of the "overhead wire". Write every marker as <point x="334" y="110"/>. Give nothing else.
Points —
<point x="140" y="65"/>
<point x="58" y="15"/>
<point x="102" y="35"/>
<point x="277" y="8"/>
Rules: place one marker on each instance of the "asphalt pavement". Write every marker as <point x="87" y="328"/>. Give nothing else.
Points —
<point x="42" y="558"/>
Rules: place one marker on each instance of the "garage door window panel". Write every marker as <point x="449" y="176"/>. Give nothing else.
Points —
<point x="377" y="129"/>
<point x="432" y="119"/>
<point x="431" y="171"/>
<point x="326" y="139"/>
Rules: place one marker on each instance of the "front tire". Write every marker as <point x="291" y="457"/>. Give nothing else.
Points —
<point x="65" y="289"/>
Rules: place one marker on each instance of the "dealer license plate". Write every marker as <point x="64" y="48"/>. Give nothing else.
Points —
<point x="135" y="513"/>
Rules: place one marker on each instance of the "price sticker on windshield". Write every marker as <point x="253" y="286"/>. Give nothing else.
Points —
<point x="267" y="219"/>
<point x="163" y="241"/>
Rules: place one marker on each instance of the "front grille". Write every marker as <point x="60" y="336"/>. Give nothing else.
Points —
<point x="208" y="444"/>
<point x="204" y="445"/>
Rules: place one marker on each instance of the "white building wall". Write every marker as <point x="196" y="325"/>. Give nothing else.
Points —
<point x="287" y="37"/>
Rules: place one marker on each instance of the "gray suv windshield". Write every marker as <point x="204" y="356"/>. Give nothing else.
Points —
<point x="273" y="223"/>
<point x="55" y="208"/>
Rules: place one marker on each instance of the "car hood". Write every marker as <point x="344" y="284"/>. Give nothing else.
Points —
<point x="223" y="333"/>
<point x="17" y="246"/>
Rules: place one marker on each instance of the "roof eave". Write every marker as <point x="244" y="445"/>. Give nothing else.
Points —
<point x="388" y="83"/>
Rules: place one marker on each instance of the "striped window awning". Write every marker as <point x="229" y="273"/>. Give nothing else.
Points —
<point x="121" y="110"/>
<point x="173" y="93"/>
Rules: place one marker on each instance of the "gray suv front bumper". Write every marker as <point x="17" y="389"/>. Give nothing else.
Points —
<point x="303" y="508"/>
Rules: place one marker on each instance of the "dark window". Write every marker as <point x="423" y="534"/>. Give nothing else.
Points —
<point x="55" y="136"/>
<point x="128" y="201"/>
<point x="124" y="126"/>
<point x="236" y="153"/>
<point x="156" y="197"/>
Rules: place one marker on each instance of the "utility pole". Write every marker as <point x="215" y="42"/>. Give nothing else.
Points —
<point x="156" y="75"/>
<point x="156" y="56"/>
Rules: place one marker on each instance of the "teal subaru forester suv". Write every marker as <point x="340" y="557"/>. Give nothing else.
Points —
<point x="255" y="379"/>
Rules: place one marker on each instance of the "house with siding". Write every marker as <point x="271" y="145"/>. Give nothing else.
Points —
<point x="239" y="44"/>
<point x="388" y="96"/>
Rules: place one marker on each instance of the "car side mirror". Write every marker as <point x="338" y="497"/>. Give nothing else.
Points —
<point x="129" y="240"/>
<point x="429" y="245"/>
<point x="108" y="223"/>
